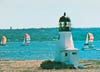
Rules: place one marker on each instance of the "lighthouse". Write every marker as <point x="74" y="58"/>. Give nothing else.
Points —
<point x="66" y="52"/>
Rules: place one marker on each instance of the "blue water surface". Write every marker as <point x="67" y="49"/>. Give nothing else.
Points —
<point x="43" y="50"/>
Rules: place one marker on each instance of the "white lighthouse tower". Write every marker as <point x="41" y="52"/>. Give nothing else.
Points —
<point x="66" y="52"/>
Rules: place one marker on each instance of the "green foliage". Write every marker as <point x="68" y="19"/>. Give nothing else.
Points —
<point x="44" y="34"/>
<point x="55" y="65"/>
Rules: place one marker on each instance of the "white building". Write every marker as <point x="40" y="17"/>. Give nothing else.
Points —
<point x="66" y="52"/>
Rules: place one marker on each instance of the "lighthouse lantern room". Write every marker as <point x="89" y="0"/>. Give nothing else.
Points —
<point x="66" y="52"/>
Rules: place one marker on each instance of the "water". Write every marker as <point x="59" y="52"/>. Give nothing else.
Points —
<point x="43" y="50"/>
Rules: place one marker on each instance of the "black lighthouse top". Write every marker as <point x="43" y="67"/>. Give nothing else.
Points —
<point x="64" y="23"/>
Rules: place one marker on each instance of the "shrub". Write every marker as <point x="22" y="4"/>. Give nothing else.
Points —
<point x="55" y="65"/>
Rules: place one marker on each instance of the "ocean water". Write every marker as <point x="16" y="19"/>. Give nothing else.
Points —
<point x="43" y="50"/>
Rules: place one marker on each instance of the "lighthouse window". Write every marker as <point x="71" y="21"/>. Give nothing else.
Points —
<point x="74" y="53"/>
<point x="66" y="54"/>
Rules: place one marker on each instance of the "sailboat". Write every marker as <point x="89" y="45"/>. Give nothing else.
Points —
<point x="89" y="42"/>
<point x="26" y="39"/>
<point x="3" y="41"/>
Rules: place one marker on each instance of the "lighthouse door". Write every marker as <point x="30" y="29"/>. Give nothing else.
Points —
<point x="66" y="57"/>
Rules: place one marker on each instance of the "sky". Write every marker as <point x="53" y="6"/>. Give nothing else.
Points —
<point x="46" y="13"/>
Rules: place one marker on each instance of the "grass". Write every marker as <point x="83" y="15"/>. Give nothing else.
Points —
<point x="34" y="66"/>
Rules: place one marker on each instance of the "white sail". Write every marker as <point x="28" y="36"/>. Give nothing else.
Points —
<point x="27" y="39"/>
<point x="4" y="40"/>
<point x="91" y="37"/>
<point x="86" y="39"/>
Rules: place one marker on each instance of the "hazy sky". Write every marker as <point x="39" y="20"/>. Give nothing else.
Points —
<point x="46" y="13"/>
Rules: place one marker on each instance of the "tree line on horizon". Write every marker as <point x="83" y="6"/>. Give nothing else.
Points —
<point x="45" y="34"/>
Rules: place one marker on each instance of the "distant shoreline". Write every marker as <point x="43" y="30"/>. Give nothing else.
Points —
<point x="51" y="28"/>
<point x="47" y="34"/>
